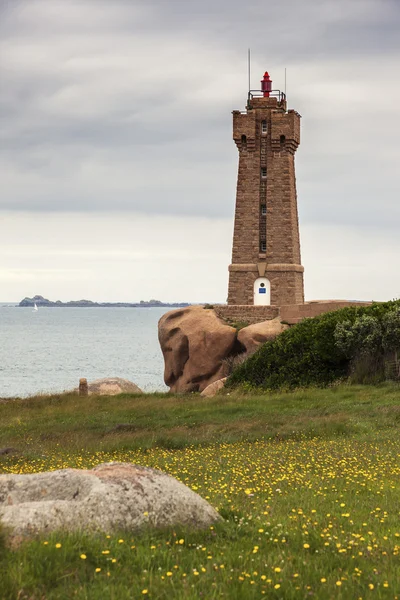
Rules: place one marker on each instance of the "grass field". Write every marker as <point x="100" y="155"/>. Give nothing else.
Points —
<point x="308" y="484"/>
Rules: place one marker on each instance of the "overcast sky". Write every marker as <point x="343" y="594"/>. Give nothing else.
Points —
<point x="117" y="165"/>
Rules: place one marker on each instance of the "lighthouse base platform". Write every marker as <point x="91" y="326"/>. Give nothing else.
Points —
<point x="288" y="313"/>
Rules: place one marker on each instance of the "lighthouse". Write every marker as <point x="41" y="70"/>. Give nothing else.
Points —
<point x="266" y="265"/>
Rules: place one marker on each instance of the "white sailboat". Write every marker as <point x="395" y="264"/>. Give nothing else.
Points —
<point x="35" y="308"/>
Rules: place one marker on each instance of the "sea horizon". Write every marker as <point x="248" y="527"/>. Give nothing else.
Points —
<point x="48" y="351"/>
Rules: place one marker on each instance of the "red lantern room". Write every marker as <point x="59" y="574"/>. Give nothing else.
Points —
<point x="266" y="85"/>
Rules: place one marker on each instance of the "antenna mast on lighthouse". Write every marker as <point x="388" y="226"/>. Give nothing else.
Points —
<point x="248" y="67"/>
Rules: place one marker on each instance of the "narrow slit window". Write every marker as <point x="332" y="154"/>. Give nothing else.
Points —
<point x="244" y="142"/>
<point x="263" y="172"/>
<point x="263" y="209"/>
<point x="264" y="127"/>
<point x="263" y="246"/>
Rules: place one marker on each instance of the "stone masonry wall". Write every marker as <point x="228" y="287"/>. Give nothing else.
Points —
<point x="246" y="229"/>
<point x="248" y="314"/>
<point x="290" y="313"/>
<point x="294" y="313"/>
<point x="283" y="243"/>
<point x="273" y="150"/>
<point x="286" y="286"/>
<point x="241" y="285"/>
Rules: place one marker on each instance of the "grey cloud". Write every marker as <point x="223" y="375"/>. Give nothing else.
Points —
<point x="306" y="28"/>
<point x="126" y="105"/>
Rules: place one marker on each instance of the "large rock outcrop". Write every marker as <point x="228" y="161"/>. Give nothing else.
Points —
<point x="253" y="336"/>
<point x="199" y="347"/>
<point x="110" y="497"/>
<point x="195" y="342"/>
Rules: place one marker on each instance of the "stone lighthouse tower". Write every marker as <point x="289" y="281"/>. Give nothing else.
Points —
<point x="266" y="266"/>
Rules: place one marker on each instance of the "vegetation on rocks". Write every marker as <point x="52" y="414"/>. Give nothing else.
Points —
<point x="307" y="482"/>
<point x="324" y="349"/>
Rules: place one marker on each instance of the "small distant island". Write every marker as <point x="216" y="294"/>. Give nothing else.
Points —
<point x="40" y="301"/>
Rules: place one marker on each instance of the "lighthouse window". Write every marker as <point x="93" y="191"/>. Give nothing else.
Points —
<point x="263" y="172"/>
<point x="264" y="127"/>
<point x="263" y="246"/>
<point x="263" y="209"/>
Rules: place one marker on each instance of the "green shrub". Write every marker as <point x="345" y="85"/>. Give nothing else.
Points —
<point x="369" y="334"/>
<point x="372" y="344"/>
<point x="308" y="353"/>
<point x="391" y="330"/>
<point x="363" y="336"/>
<point x="238" y="325"/>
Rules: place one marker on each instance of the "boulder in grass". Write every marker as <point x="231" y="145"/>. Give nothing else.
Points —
<point x="108" y="498"/>
<point x="111" y="386"/>
<point x="212" y="389"/>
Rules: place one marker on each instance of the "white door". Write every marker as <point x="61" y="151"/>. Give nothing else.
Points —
<point x="262" y="292"/>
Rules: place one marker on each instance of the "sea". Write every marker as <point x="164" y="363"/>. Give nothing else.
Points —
<point x="50" y="350"/>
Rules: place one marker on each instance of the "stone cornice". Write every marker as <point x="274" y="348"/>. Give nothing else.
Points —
<point x="270" y="268"/>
